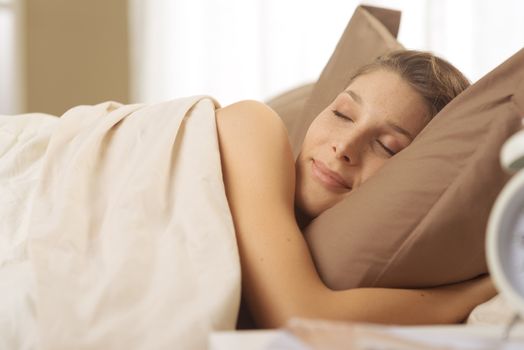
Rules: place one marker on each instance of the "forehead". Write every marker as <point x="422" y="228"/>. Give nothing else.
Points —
<point x="385" y="95"/>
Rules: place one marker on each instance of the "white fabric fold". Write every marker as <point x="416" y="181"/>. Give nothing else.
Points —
<point x="120" y="222"/>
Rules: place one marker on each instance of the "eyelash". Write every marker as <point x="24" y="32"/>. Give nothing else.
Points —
<point x="346" y="118"/>
<point x="390" y="152"/>
<point x="341" y="116"/>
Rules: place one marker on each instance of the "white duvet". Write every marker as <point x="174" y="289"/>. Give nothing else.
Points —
<point x="115" y="232"/>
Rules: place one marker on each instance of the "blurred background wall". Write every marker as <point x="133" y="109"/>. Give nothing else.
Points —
<point x="76" y="53"/>
<point x="55" y="54"/>
<point x="60" y="53"/>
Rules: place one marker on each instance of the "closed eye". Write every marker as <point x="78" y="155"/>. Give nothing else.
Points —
<point x="389" y="151"/>
<point x="341" y="116"/>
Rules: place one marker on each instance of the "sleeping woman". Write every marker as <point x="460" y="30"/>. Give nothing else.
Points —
<point x="272" y="197"/>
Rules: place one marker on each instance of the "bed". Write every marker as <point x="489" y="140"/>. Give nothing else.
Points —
<point x="99" y="207"/>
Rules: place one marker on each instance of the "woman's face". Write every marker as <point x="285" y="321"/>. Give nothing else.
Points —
<point x="376" y="117"/>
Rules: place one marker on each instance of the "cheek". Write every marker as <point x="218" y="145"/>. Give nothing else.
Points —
<point x="318" y="132"/>
<point x="372" y="167"/>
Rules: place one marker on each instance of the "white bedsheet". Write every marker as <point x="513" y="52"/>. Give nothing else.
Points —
<point x="115" y="231"/>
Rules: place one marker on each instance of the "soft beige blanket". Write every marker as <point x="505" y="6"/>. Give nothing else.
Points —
<point x="115" y="232"/>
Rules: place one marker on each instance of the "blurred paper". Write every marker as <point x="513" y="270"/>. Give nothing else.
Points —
<point x="315" y="334"/>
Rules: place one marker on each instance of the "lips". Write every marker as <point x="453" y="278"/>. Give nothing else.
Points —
<point x="328" y="177"/>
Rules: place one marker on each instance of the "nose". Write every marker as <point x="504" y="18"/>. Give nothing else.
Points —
<point x="340" y="154"/>
<point x="347" y="150"/>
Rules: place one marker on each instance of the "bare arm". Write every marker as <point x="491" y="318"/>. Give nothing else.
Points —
<point x="279" y="278"/>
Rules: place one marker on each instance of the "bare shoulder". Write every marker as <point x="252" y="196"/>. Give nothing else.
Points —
<point x="251" y="128"/>
<point x="254" y="149"/>
<point x="247" y="106"/>
<point x="250" y="115"/>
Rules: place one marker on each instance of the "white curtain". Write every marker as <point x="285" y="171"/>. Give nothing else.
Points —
<point x="10" y="74"/>
<point x="233" y="49"/>
<point x="254" y="49"/>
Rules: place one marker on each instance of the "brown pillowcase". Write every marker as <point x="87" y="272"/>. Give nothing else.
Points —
<point x="289" y="104"/>
<point x="370" y="32"/>
<point x="421" y="220"/>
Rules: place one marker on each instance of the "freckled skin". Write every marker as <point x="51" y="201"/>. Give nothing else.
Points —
<point x="279" y="278"/>
<point x="354" y="148"/>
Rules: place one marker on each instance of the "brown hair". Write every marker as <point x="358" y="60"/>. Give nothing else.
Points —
<point x="437" y="80"/>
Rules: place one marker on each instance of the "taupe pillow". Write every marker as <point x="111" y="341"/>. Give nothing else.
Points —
<point x="370" y="32"/>
<point x="421" y="220"/>
<point x="289" y="104"/>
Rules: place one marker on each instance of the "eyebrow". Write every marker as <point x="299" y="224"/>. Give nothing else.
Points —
<point x="392" y="125"/>
<point x="400" y="130"/>
<point x="354" y="96"/>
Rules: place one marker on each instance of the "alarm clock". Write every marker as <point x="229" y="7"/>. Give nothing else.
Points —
<point x="505" y="229"/>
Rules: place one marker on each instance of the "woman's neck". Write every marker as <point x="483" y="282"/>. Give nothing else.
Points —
<point x="302" y="219"/>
